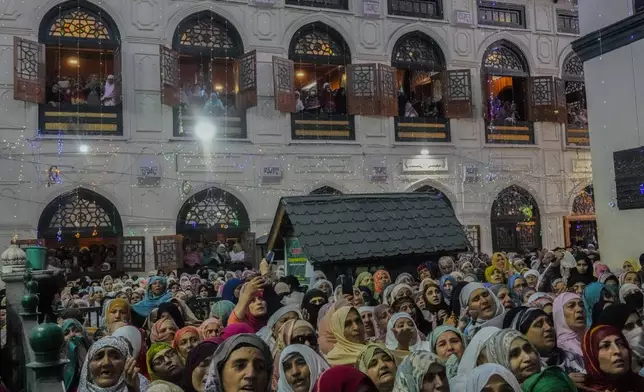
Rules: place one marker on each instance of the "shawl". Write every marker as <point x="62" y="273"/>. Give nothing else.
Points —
<point x="550" y="379"/>
<point x="199" y="354"/>
<point x="361" y="277"/>
<point x="405" y="278"/>
<point x="471" y="356"/>
<point x="86" y="384"/>
<point x="452" y="362"/>
<point x="206" y="323"/>
<point x="223" y="352"/>
<point x="446" y="265"/>
<point x="365" y="357"/>
<point x="113" y="304"/>
<point x="391" y="341"/>
<point x="233" y="330"/>
<point x="489" y="271"/>
<point x="633" y="263"/>
<point x="132" y="335"/>
<point x="179" y="334"/>
<point x="284" y="339"/>
<point x="222" y="310"/>
<point x="513" y="279"/>
<point x="150" y="301"/>
<point x="567" y="339"/>
<point x="497" y="318"/>
<point x="318" y="285"/>
<point x="317" y="275"/>
<point x="623" y="275"/>
<point x="540" y="300"/>
<point x="482" y="374"/>
<point x="592" y="296"/>
<point x="626" y="290"/>
<point x="154" y="349"/>
<point x="412" y="370"/>
<point x="343" y="379"/>
<point x="398" y="287"/>
<point x="378" y="314"/>
<point x="156" y="335"/>
<point x="595" y="377"/>
<point x="344" y="352"/>
<point x="386" y="294"/>
<point x="497" y="349"/>
<point x="74" y="354"/>
<point x="229" y="290"/>
<point x="326" y="338"/>
<point x="315" y="362"/>
<point x="613" y="288"/>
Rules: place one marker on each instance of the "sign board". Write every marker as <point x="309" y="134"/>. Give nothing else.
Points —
<point x="463" y="18"/>
<point x="296" y="259"/>
<point x="269" y="3"/>
<point x="371" y="8"/>
<point x="148" y="170"/>
<point x="377" y="170"/>
<point x="420" y="165"/>
<point x="270" y="171"/>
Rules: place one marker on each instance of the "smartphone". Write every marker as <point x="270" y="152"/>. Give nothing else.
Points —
<point x="270" y="256"/>
<point x="347" y="287"/>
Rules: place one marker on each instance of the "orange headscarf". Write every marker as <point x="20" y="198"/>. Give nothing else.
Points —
<point x="179" y="335"/>
<point x="376" y="280"/>
<point x="157" y="336"/>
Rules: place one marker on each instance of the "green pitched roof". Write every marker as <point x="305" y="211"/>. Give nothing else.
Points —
<point x="342" y="228"/>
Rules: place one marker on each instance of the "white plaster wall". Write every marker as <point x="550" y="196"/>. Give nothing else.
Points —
<point x="550" y="172"/>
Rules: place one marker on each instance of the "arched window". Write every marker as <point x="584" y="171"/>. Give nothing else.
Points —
<point x="580" y="228"/>
<point x="505" y="80"/>
<point x="74" y="71"/>
<point x="325" y="190"/>
<point x="575" y="98"/>
<point x="584" y="203"/>
<point x="208" y="79"/>
<point x="433" y="191"/>
<point x="215" y="215"/>
<point x="515" y="221"/>
<point x="319" y="57"/>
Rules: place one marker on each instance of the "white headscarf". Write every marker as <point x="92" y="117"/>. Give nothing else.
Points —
<point x="391" y="341"/>
<point x="470" y="356"/>
<point x="266" y="333"/>
<point x="316" y="364"/>
<point x="132" y="335"/>
<point x="497" y="318"/>
<point x="482" y="374"/>
<point x="397" y="289"/>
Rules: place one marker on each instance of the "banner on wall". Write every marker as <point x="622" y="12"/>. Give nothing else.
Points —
<point x="296" y="260"/>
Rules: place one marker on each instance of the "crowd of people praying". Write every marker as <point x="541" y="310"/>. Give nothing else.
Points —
<point x="557" y="320"/>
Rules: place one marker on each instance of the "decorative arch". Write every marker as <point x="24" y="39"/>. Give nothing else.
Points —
<point x="80" y="212"/>
<point x="584" y="202"/>
<point x="78" y="22"/>
<point x="580" y="227"/>
<point x="325" y="190"/>
<point x="417" y="50"/>
<point x="515" y="220"/>
<point x="323" y="19"/>
<point x="504" y="57"/>
<point x="208" y="32"/>
<point x="572" y="68"/>
<point x="213" y="210"/>
<point x="422" y="29"/>
<point x="435" y="192"/>
<point x="319" y="43"/>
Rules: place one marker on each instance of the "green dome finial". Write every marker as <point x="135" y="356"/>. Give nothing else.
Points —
<point x="46" y="340"/>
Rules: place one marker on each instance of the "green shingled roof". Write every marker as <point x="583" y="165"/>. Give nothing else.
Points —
<point x="342" y="228"/>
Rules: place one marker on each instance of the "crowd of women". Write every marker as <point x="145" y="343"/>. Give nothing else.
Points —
<point x="556" y="321"/>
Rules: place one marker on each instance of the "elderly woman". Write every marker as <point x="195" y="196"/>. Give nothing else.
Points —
<point x="164" y="363"/>
<point x="163" y="330"/>
<point x="449" y="344"/>
<point x="299" y="368"/>
<point x="402" y="335"/>
<point x="275" y="323"/>
<point x="294" y="331"/>
<point x="348" y="330"/>
<point x="474" y="354"/>
<point x="109" y="367"/>
<point x="484" y="309"/>
<point x="186" y="339"/>
<point x="243" y="362"/>
<point x="569" y="318"/>
<point x="421" y="371"/>
<point x="510" y="349"/>
<point x="380" y="365"/>
<point x="155" y="295"/>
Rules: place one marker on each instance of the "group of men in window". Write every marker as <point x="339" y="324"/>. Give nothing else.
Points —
<point x="91" y="91"/>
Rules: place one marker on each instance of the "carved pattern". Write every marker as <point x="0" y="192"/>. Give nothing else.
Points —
<point x="248" y="72"/>
<point x="511" y="201"/>
<point x="318" y="43"/>
<point x="78" y="212"/>
<point x="416" y="49"/>
<point x="473" y="233"/>
<point x="29" y="54"/>
<point x="504" y="237"/>
<point x="573" y="67"/>
<point x="526" y="235"/>
<point x="325" y="190"/>
<point x="363" y="81"/>
<point x="214" y="209"/>
<point x="168" y="252"/>
<point x="542" y="91"/>
<point x="206" y="34"/>
<point x="501" y="57"/>
<point x="79" y="24"/>
<point x="132" y="257"/>
<point x="458" y="86"/>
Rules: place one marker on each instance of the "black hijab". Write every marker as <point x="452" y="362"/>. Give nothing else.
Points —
<point x="615" y="315"/>
<point x="310" y="311"/>
<point x="422" y="324"/>
<point x="173" y="311"/>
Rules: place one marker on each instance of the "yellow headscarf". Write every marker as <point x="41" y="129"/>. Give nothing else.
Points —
<point x="635" y="264"/>
<point x="344" y="352"/>
<point x="500" y="258"/>
<point x="488" y="273"/>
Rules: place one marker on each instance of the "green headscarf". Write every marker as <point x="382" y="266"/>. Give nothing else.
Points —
<point x="152" y="352"/>
<point x="222" y="310"/>
<point x="551" y="379"/>
<point x="76" y="347"/>
<point x="362" y="363"/>
<point x="451" y="363"/>
<point x="361" y="277"/>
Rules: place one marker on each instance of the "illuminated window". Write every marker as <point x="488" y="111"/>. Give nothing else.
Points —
<point x="79" y="24"/>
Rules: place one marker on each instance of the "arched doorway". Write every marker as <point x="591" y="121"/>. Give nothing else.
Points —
<point x="82" y="219"/>
<point x="213" y="215"/>
<point x="515" y="221"/>
<point x="78" y="62"/>
<point x="581" y="226"/>
<point x="433" y="191"/>
<point x="325" y="190"/>
<point x="506" y="102"/>
<point x="207" y="78"/>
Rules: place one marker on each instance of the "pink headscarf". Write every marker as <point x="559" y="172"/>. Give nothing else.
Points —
<point x="232" y="330"/>
<point x="567" y="339"/>
<point x="600" y="268"/>
<point x="207" y="322"/>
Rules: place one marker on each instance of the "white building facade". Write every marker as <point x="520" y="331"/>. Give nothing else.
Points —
<point x="499" y="126"/>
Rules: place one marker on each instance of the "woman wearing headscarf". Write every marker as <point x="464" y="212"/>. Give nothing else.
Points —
<point x="155" y="295"/>
<point x="405" y="278"/>
<point x="312" y="301"/>
<point x="494" y="275"/>
<point x="550" y="379"/>
<point x="163" y="330"/>
<point x="77" y="344"/>
<point x="484" y="308"/>
<point x="117" y="310"/>
<point x="577" y="283"/>
<point x="210" y="328"/>
<point x="449" y="344"/>
<point x="186" y="339"/>
<point x="491" y="377"/>
<point x="542" y="301"/>
<point x="531" y="278"/>
<point x="258" y="365"/>
<point x="109" y="367"/>
<point x="631" y="265"/>
<point x="136" y="338"/>
<point x="607" y="356"/>
<point x="299" y="368"/>
<point x="446" y="265"/>
<point x="435" y="304"/>
<point x="221" y="310"/>
<point x="596" y="298"/>
<point x="470" y="359"/>
<point x="402" y="335"/>
<point x="326" y="337"/>
<point x="419" y="369"/>
<point x="233" y="330"/>
<point x="630" y="277"/>
<point x="380" y="365"/>
<point x="365" y="279"/>
<point x="382" y="313"/>
<point x="294" y="331"/>
<point x="407" y="305"/>
<point x="505" y="295"/>
<point x="348" y="331"/>
<point x="369" y="321"/>
<point x="506" y="345"/>
<point x="275" y="323"/>
<point x="447" y="284"/>
<point x="569" y="318"/>
<point x="381" y="279"/>
<point x="344" y="379"/>
<point x="251" y="307"/>
<point x="325" y="286"/>
<point x="231" y="290"/>
<point x="197" y="365"/>
<point x="170" y="310"/>
<point x="632" y="295"/>
<point x="611" y="282"/>
<point x="500" y="261"/>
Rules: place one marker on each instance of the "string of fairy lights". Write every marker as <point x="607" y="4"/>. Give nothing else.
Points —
<point x="108" y="163"/>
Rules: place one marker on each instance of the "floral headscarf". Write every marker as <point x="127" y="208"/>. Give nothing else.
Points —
<point x="412" y="370"/>
<point x="206" y="323"/>
<point x="376" y="280"/>
<point x="497" y="349"/>
<point x="157" y="336"/>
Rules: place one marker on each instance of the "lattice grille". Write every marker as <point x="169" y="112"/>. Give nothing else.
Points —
<point x="574" y="87"/>
<point x="318" y="43"/>
<point x="79" y="24"/>
<point x="325" y="190"/>
<point x="79" y="213"/>
<point x="247" y="72"/>
<point x="573" y="67"/>
<point x="363" y="81"/>
<point x="458" y="85"/>
<point x="132" y="257"/>
<point x="416" y="49"/>
<point x="283" y="76"/>
<point x="206" y="34"/>
<point x="168" y="253"/>
<point x="212" y="211"/>
<point x="29" y="55"/>
<point x="526" y="235"/>
<point x="542" y="91"/>
<point x="504" y="237"/>
<point x="514" y="201"/>
<point x="169" y="67"/>
<point x="473" y="233"/>
<point x="501" y="57"/>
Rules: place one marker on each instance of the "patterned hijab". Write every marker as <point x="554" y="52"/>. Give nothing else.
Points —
<point x="86" y="384"/>
<point x="497" y="349"/>
<point x="412" y="370"/>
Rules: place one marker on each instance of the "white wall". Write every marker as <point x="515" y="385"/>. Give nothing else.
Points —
<point x="550" y="172"/>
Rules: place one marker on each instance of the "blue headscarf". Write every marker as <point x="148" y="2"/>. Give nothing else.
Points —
<point x="150" y="301"/>
<point x="447" y="296"/>
<point x="512" y="279"/>
<point x="228" y="293"/>
<point x="592" y="296"/>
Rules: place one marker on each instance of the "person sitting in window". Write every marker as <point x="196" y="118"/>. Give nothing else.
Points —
<point x="58" y="96"/>
<point x="214" y="106"/>
<point x="312" y="102"/>
<point x="299" y="106"/>
<point x="327" y="102"/>
<point x="92" y="91"/>
<point x="109" y="96"/>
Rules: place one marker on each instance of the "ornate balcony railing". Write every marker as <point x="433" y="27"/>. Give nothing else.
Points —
<point x="429" y="9"/>
<point x="422" y="129"/>
<point x="504" y="132"/>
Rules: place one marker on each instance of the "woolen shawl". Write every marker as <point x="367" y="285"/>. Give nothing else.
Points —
<point x="471" y="356"/>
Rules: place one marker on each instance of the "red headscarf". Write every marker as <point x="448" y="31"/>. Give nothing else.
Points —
<point x="596" y="378"/>
<point x="232" y="330"/>
<point x="256" y="323"/>
<point x="343" y="379"/>
<point x="180" y="333"/>
<point x="376" y="280"/>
